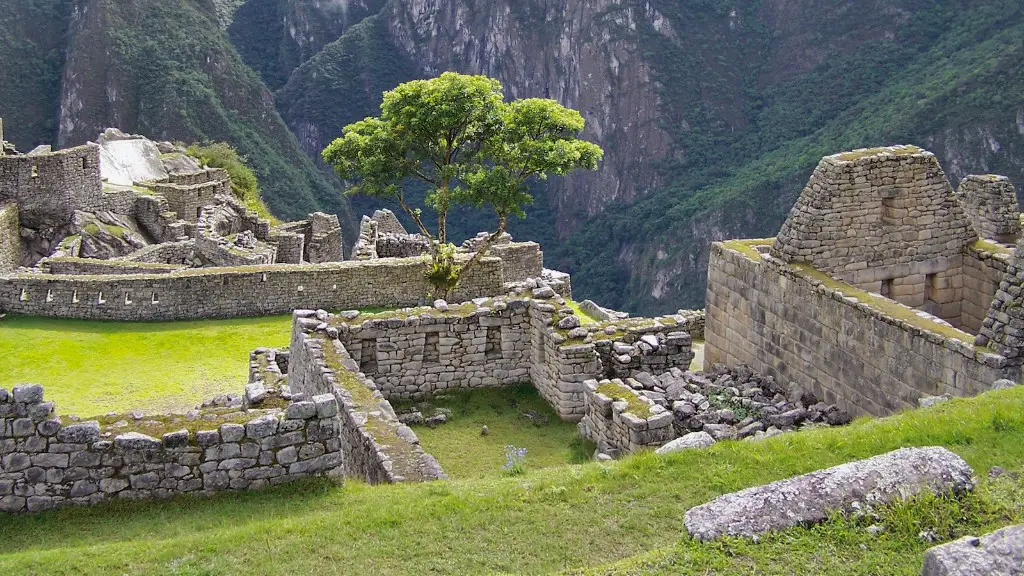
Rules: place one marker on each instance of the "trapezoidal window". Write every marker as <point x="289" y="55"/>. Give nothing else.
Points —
<point x="886" y="289"/>
<point x="431" y="349"/>
<point x="892" y="214"/>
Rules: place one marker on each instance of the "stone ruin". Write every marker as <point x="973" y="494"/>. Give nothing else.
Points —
<point x="130" y="229"/>
<point x="883" y="286"/>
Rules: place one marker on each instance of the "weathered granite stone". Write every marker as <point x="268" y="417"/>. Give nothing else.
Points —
<point x="82" y="433"/>
<point x="136" y="441"/>
<point x="810" y="498"/>
<point x="31" y="394"/>
<point x="1000" y="553"/>
<point x="690" y="441"/>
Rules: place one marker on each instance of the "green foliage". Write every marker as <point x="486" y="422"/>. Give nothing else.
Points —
<point x="244" y="184"/>
<point x="443" y="271"/>
<point x="456" y="135"/>
<point x="33" y="36"/>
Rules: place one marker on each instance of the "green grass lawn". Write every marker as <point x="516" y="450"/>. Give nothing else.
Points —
<point x="619" y="518"/>
<point x="91" y="368"/>
<point x="464" y="453"/>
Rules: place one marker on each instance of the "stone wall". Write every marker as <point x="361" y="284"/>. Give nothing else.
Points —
<point x="187" y="201"/>
<point x="166" y="253"/>
<point x="49" y="464"/>
<point x="429" y="351"/>
<point x="621" y="421"/>
<point x="88" y="266"/>
<point x="10" y="238"/>
<point x="49" y="187"/>
<point x="504" y="341"/>
<point x="865" y="353"/>
<point x="235" y="292"/>
<point x="983" y="270"/>
<point x="377" y="447"/>
<point x="152" y="212"/>
<point x="885" y="220"/>
<point x="522" y="260"/>
<point x="325" y="242"/>
<point x="1003" y="327"/>
<point x="991" y="205"/>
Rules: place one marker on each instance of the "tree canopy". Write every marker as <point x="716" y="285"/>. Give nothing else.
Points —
<point x="457" y="134"/>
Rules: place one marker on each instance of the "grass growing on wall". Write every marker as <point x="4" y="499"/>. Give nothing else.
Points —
<point x="563" y="518"/>
<point x="516" y="416"/>
<point x="91" y="368"/>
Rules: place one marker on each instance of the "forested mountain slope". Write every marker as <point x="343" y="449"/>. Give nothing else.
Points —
<point x="712" y="113"/>
<point x="162" y="69"/>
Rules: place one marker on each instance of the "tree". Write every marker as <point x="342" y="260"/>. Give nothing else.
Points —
<point x="457" y="134"/>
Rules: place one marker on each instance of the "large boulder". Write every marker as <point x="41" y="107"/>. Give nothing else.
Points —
<point x="1001" y="553"/>
<point x="812" y="497"/>
<point x="126" y="159"/>
<point x="691" y="441"/>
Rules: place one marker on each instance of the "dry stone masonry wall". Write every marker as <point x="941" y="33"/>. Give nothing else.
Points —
<point x="870" y="356"/>
<point x="885" y="220"/>
<point x="47" y="463"/>
<point x="991" y="204"/>
<point x="378" y="448"/>
<point x="10" y="238"/>
<point x="49" y="187"/>
<point x="234" y="292"/>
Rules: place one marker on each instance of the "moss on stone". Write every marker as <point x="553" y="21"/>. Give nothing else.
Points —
<point x="866" y="152"/>
<point x="620" y="392"/>
<point x="889" y="307"/>
<point x="982" y="245"/>
<point x="748" y="247"/>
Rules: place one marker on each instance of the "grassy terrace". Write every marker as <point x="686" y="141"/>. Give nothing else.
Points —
<point x="620" y="518"/>
<point x="91" y="368"/>
<point x="516" y="416"/>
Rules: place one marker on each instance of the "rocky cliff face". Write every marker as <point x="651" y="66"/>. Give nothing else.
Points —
<point x="587" y="54"/>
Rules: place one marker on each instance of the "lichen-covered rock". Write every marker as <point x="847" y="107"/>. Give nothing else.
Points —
<point x="810" y="498"/>
<point x="691" y="441"/>
<point x="1000" y="553"/>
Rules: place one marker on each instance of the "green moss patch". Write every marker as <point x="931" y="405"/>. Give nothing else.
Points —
<point x="621" y="392"/>
<point x="982" y="245"/>
<point x="891" y="308"/>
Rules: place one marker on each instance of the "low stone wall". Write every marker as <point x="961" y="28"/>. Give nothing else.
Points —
<point x="378" y="448"/>
<point x="49" y="464"/>
<point x="88" y="266"/>
<point x="694" y="322"/>
<point x="10" y="238"/>
<point x="168" y="253"/>
<point x="235" y="292"/>
<point x="798" y="326"/>
<point x="621" y="421"/>
<point x="188" y="200"/>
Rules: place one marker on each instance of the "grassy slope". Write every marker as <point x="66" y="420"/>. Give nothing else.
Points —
<point x="560" y="518"/>
<point x="92" y="368"/>
<point x="464" y="453"/>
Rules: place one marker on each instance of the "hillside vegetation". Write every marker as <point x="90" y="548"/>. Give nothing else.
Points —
<point x="568" y="518"/>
